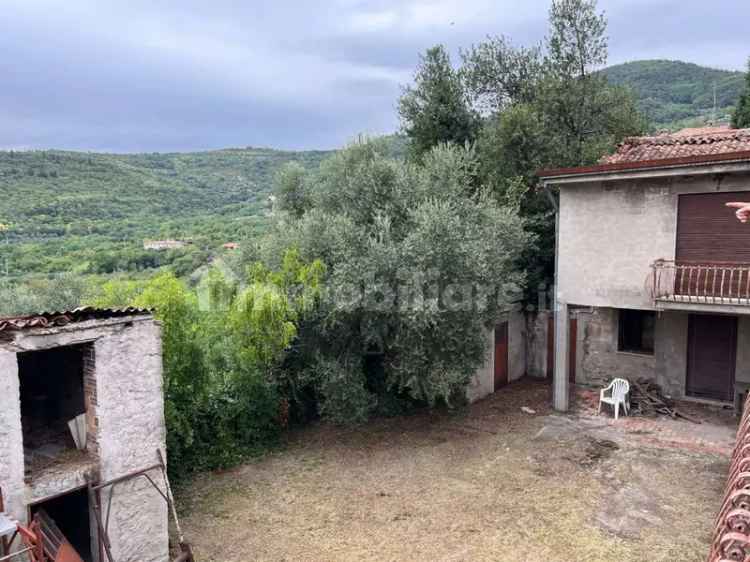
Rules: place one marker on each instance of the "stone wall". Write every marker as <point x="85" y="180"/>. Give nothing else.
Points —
<point x="131" y="429"/>
<point x="598" y="359"/>
<point x="11" y="438"/>
<point x="537" y="340"/>
<point x="670" y="347"/>
<point x="89" y="393"/>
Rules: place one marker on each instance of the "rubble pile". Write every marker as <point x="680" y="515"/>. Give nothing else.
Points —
<point x="647" y="399"/>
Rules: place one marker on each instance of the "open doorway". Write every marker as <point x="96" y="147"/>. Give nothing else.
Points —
<point x="67" y="516"/>
<point x="53" y="392"/>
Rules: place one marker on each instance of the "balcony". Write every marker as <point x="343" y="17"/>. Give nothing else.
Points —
<point x="701" y="286"/>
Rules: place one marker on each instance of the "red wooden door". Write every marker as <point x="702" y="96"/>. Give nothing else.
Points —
<point x="501" y="355"/>
<point x="572" y="351"/>
<point x="712" y="356"/>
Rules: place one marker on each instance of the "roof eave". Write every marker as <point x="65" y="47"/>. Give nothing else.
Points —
<point x="672" y="166"/>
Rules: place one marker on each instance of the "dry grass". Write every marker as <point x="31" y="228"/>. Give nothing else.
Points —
<point x="468" y="486"/>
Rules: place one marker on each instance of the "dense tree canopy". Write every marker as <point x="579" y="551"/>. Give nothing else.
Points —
<point x="675" y="94"/>
<point x="741" y="117"/>
<point x="542" y="106"/>
<point x="418" y="265"/>
<point x="436" y="108"/>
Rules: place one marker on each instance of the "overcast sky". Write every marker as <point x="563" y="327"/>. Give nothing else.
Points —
<point x="147" y="75"/>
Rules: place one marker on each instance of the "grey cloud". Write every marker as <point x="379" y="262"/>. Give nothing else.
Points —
<point x="139" y="76"/>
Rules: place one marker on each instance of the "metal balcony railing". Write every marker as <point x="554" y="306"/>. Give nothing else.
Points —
<point x="700" y="283"/>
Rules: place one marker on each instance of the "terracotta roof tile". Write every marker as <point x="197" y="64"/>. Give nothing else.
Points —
<point x="697" y="142"/>
<point x="53" y="319"/>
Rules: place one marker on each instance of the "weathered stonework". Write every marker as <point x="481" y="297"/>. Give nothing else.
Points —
<point x="11" y="441"/>
<point x="131" y="429"/>
<point x="89" y="388"/>
<point x="123" y="395"/>
<point x="599" y="359"/>
<point x="537" y="334"/>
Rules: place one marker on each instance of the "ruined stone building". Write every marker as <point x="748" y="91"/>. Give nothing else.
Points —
<point x="81" y="401"/>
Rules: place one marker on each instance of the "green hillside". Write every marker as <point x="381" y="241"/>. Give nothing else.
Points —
<point x="674" y="94"/>
<point x="90" y="213"/>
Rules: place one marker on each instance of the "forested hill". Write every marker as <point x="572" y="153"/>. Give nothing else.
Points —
<point x="674" y="94"/>
<point x="89" y="212"/>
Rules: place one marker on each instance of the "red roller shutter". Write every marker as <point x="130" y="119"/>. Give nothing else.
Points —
<point x="709" y="232"/>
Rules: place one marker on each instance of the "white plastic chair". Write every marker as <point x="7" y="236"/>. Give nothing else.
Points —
<point x="618" y="390"/>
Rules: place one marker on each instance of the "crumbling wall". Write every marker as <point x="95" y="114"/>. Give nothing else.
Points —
<point x="131" y="429"/>
<point x="11" y="437"/>
<point x="516" y="345"/>
<point x="671" y="349"/>
<point x="598" y="357"/>
<point x="537" y="334"/>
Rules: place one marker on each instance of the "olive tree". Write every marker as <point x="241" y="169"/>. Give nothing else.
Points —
<point x="419" y="264"/>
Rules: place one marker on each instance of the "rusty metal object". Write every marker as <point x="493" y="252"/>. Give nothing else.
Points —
<point x="56" y="546"/>
<point x="67" y="554"/>
<point x="30" y="537"/>
<point x="102" y="516"/>
<point x="710" y="283"/>
<point x="731" y="540"/>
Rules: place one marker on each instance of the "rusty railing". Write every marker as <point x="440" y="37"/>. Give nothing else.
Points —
<point x="731" y="538"/>
<point x="700" y="283"/>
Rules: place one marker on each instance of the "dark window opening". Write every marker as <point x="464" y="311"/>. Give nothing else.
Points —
<point x="70" y="515"/>
<point x="52" y="394"/>
<point x="636" y="332"/>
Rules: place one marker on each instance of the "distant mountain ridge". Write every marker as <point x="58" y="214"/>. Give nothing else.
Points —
<point x="676" y="94"/>
<point x="90" y="212"/>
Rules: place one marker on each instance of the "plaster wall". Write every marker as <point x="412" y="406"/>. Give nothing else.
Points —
<point x="131" y="429"/>
<point x="483" y="382"/>
<point x="611" y="232"/>
<point x="11" y="438"/>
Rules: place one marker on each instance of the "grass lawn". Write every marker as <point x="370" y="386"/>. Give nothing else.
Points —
<point x="487" y="483"/>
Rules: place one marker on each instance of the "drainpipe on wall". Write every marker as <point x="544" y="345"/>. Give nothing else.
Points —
<point x="560" y="310"/>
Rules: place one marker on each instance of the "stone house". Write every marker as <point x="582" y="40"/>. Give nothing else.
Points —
<point x="653" y="270"/>
<point x="102" y="368"/>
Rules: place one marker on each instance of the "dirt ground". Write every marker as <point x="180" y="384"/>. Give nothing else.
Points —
<point x="487" y="483"/>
